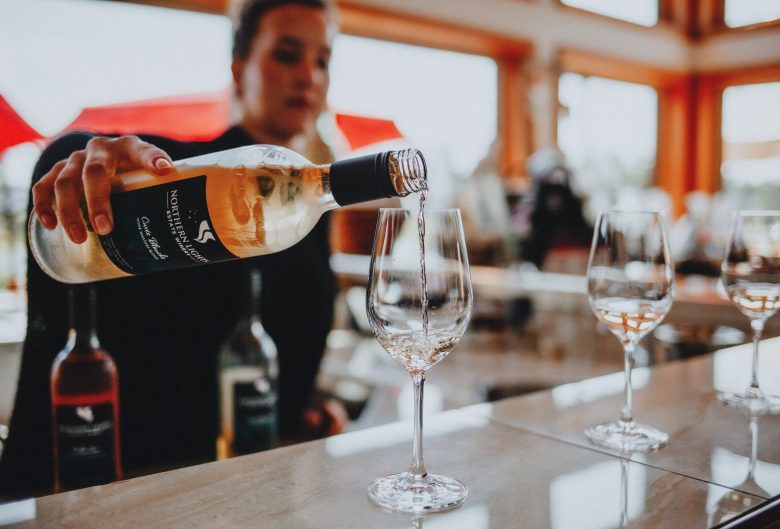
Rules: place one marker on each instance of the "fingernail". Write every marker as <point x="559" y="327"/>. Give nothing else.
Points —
<point x="103" y="224"/>
<point x="48" y="221"/>
<point x="76" y="232"/>
<point x="161" y="164"/>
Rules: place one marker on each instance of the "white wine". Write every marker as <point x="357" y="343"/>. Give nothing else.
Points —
<point x="418" y="351"/>
<point x="755" y="300"/>
<point x="232" y="204"/>
<point x="630" y="319"/>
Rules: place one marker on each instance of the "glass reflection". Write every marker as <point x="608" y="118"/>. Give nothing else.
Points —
<point x="742" y="473"/>
<point x="396" y="433"/>
<point x="589" y="390"/>
<point x="601" y="496"/>
<point x="731" y="368"/>
<point x="470" y="517"/>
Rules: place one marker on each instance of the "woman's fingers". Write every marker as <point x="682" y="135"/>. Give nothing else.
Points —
<point x="89" y="172"/>
<point x="43" y="196"/>
<point x="67" y="195"/>
<point x="134" y="153"/>
<point x="99" y="167"/>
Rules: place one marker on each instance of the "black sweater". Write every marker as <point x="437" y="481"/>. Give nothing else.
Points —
<point x="164" y="331"/>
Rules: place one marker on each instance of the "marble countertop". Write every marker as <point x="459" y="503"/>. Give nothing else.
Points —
<point x="524" y="460"/>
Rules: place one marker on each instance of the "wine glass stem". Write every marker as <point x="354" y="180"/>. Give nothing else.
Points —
<point x="623" y="493"/>
<point x="753" y="444"/>
<point x="758" y="328"/>
<point x="418" y="470"/>
<point x="627" y="417"/>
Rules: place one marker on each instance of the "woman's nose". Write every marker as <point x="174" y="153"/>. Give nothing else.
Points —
<point x="309" y="74"/>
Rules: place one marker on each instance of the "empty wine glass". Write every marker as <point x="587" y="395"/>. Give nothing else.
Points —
<point x="419" y="303"/>
<point x="630" y="288"/>
<point x="751" y="276"/>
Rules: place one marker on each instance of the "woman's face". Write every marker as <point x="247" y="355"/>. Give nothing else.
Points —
<point x="283" y="82"/>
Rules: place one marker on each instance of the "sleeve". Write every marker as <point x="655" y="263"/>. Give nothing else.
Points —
<point x="26" y="461"/>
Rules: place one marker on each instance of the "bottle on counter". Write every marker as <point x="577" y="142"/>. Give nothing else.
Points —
<point x="85" y="403"/>
<point x="226" y="205"/>
<point x="248" y="377"/>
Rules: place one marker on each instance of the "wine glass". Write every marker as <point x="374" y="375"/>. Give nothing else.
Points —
<point x="630" y="288"/>
<point x="419" y="303"/>
<point x="751" y="276"/>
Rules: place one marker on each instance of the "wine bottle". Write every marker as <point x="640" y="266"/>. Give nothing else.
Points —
<point x="231" y="204"/>
<point x="248" y="374"/>
<point x="85" y="403"/>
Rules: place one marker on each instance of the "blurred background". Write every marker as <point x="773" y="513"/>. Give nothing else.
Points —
<point x="534" y="115"/>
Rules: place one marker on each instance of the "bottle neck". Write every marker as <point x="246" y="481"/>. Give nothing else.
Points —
<point x="82" y="317"/>
<point x="250" y="309"/>
<point x="375" y="176"/>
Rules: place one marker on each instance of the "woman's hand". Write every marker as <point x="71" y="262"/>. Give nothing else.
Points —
<point x="88" y="173"/>
<point x="328" y="417"/>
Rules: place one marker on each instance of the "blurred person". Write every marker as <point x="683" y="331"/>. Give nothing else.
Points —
<point x="164" y="330"/>
<point x="553" y="211"/>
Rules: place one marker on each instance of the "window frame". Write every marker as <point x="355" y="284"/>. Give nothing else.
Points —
<point x="514" y="128"/>
<point x="661" y="23"/>
<point x="673" y="169"/>
<point x="709" y="109"/>
<point x="704" y="18"/>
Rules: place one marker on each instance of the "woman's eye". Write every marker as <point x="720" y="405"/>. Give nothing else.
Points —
<point x="286" y="56"/>
<point x="322" y="63"/>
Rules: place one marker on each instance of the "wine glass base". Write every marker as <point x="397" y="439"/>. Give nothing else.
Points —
<point x="754" y="404"/>
<point x="620" y="436"/>
<point x="434" y="493"/>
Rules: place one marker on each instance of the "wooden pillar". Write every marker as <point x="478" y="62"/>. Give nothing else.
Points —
<point x="676" y="155"/>
<point x="514" y="130"/>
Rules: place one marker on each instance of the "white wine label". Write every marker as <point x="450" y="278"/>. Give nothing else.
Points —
<point x="85" y="445"/>
<point x="254" y="416"/>
<point x="163" y="227"/>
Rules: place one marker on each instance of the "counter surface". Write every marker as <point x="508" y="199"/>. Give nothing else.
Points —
<point x="524" y="461"/>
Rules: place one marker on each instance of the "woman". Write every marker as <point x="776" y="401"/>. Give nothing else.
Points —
<point x="164" y="329"/>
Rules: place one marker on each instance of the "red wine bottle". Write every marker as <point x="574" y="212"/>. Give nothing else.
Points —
<point x="85" y="403"/>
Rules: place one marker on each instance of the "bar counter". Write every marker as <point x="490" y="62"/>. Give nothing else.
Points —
<point x="524" y="460"/>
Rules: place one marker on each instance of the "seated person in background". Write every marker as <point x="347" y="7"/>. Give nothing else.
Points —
<point x="556" y="219"/>
<point x="164" y="330"/>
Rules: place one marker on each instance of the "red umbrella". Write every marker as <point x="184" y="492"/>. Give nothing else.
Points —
<point x="13" y="129"/>
<point x="361" y="131"/>
<point x="196" y="117"/>
<point x="205" y="116"/>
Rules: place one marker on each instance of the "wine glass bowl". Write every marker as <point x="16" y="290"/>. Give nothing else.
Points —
<point x="630" y="289"/>
<point x="419" y="303"/>
<point x="750" y="274"/>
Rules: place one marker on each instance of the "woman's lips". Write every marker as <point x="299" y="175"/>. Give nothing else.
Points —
<point x="299" y="103"/>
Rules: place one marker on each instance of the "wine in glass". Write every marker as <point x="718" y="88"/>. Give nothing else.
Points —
<point x="751" y="276"/>
<point x="419" y="303"/>
<point x="630" y="288"/>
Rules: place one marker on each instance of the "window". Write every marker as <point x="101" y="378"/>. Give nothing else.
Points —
<point x="451" y="118"/>
<point x="643" y="12"/>
<point x="746" y="12"/>
<point x="750" y="167"/>
<point x="608" y="132"/>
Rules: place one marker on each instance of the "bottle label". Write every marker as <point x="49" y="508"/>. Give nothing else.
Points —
<point x="85" y="445"/>
<point x="163" y="227"/>
<point x="254" y="416"/>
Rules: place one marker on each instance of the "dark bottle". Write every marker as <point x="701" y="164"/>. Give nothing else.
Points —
<point x="248" y="375"/>
<point x="85" y="403"/>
